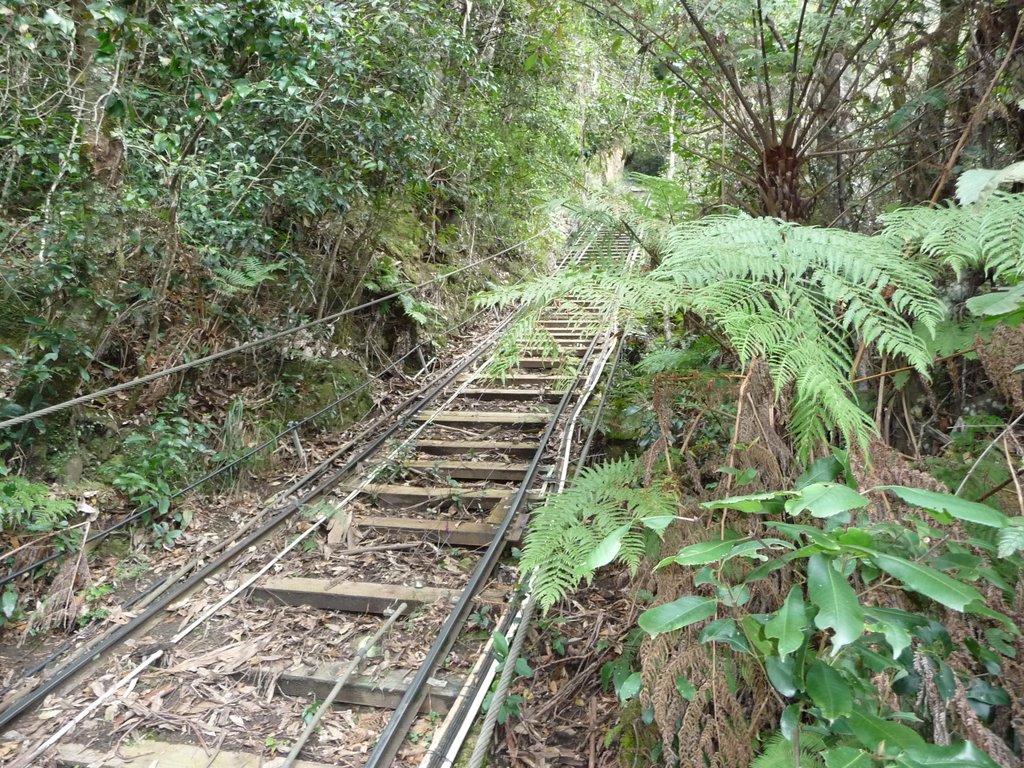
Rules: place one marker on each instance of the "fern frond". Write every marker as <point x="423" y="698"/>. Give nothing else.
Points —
<point x="986" y="236"/>
<point x="804" y="299"/>
<point x="247" y="273"/>
<point x="568" y="527"/>
<point x="778" y="752"/>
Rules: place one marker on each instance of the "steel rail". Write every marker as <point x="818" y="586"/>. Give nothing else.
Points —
<point x="161" y="584"/>
<point x="292" y="428"/>
<point x="394" y="733"/>
<point x="83" y="660"/>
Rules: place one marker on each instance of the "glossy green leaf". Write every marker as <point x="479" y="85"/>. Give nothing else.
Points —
<point x="847" y="757"/>
<point x="607" y="549"/>
<point x="838" y="607"/>
<point x="657" y="523"/>
<point x="500" y="646"/>
<point x="928" y="581"/>
<point x="825" y="500"/>
<point x="997" y="303"/>
<point x="790" y="720"/>
<point x="829" y="691"/>
<point x="523" y="668"/>
<point x="700" y="554"/>
<point x="961" y="509"/>
<point x="725" y="631"/>
<point x="677" y="614"/>
<point x="685" y="688"/>
<point x="781" y="674"/>
<point x="787" y="626"/>
<point x="895" y="635"/>
<point x="963" y="755"/>
<point x="630" y="687"/>
<point x="882" y="735"/>
<point x="822" y="471"/>
<point x="753" y="502"/>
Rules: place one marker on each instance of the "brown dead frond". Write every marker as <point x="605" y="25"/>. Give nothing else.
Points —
<point x="970" y="727"/>
<point x="999" y="356"/>
<point x="58" y="610"/>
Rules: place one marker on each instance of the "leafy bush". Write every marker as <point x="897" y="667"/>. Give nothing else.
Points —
<point x="169" y="453"/>
<point x="28" y="507"/>
<point x="825" y="643"/>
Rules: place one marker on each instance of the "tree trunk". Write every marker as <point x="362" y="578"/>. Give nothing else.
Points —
<point x="779" y="183"/>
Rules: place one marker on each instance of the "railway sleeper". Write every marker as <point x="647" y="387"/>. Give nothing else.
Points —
<point x="472" y="448"/>
<point x="486" y="418"/>
<point x="470" y="470"/>
<point x="498" y="393"/>
<point x="356" y="596"/>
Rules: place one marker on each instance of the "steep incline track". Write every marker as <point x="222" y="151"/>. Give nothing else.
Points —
<point x="366" y="603"/>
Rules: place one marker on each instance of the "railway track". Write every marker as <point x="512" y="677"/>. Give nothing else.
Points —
<point x="376" y="586"/>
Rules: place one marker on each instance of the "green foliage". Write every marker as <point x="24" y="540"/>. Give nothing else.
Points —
<point x="27" y="507"/>
<point x="779" y="752"/>
<point x="603" y="517"/>
<point x="242" y="167"/>
<point x="244" y="275"/>
<point x="802" y="299"/>
<point x="986" y="237"/>
<point x="525" y="334"/>
<point x="156" y="461"/>
<point x="823" y="643"/>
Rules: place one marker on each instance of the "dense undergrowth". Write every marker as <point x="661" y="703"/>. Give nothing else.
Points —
<point x="179" y="178"/>
<point x="837" y="573"/>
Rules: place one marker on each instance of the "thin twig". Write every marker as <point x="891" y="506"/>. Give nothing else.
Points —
<point x="984" y="453"/>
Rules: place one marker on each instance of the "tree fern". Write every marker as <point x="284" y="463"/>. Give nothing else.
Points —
<point x="803" y="299"/>
<point x="986" y="236"/>
<point x="568" y="527"/>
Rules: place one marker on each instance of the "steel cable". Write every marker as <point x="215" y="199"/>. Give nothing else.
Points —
<point x="292" y="428"/>
<point x="57" y="407"/>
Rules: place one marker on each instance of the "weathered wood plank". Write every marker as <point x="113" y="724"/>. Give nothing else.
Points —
<point x="498" y="393"/>
<point x="347" y="596"/>
<point x="534" y="363"/>
<point x="520" y="379"/>
<point x="471" y="470"/>
<point x="399" y="495"/>
<point x="456" y="532"/>
<point x="534" y="354"/>
<point x="524" y="450"/>
<point x="485" y="418"/>
<point x="147" y="754"/>
<point x="384" y="693"/>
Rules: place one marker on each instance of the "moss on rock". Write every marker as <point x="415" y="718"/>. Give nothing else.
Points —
<point x="315" y="383"/>
<point x="639" y="742"/>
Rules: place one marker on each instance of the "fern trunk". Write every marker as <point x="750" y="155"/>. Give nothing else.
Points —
<point x="779" y="183"/>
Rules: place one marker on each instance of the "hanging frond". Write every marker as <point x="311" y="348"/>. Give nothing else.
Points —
<point x="803" y="299"/>
<point x="986" y="236"/>
<point x="524" y="335"/>
<point x="567" y="529"/>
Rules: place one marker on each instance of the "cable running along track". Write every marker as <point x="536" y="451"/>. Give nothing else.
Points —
<point x="422" y="505"/>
